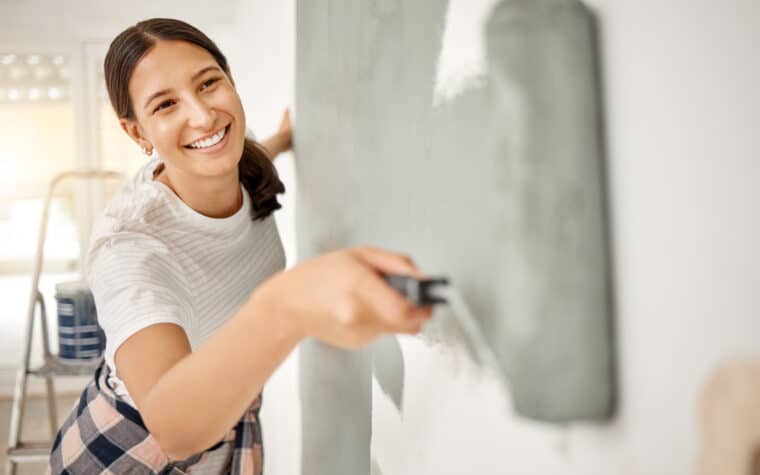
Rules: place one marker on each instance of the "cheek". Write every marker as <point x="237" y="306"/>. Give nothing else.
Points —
<point x="168" y="133"/>
<point x="231" y="100"/>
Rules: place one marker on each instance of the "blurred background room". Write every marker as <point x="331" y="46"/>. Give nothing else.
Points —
<point x="56" y="117"/>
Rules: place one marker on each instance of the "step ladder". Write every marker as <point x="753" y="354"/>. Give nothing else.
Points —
<point x="39" y="451"/>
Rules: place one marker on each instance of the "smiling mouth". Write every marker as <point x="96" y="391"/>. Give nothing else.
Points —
<point x="211" y="141"/>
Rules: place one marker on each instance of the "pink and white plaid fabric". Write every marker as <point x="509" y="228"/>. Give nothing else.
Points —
<point x="105" y="435"/>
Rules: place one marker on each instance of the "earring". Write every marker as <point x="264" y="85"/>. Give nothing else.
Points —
<point x="147" y="151"/>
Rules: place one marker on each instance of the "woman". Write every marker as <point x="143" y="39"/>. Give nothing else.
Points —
<point x="186" y="268"/>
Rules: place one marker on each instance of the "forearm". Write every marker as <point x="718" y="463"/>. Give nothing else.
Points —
<point x="204" y="395"/>
<point x="276" y="144"/>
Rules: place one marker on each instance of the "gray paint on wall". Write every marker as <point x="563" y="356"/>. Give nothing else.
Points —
<point x="555" y="327"/>
<point x="388" y="368"/>
<point x="335" y="388"/>
<point x="500" y="188"/>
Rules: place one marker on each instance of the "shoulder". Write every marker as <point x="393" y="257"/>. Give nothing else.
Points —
<point x="136" y="202"/>
<point x="133" y="217"/>
<point x="127" y="249"/>
<point x="127" y="236"/>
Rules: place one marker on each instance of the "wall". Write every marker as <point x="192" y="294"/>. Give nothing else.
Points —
<point x="497" y="186"/>
<point x="680" y="102"/>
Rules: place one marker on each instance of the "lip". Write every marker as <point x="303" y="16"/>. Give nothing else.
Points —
<point x="214" y="148"/>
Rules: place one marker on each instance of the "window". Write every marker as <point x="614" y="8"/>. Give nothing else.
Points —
<point x="38" y="142"/>
<point x="55" y="117"/>
<point x="38" y="135"/>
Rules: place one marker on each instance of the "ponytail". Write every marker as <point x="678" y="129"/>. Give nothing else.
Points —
<point x="259" y="178"/>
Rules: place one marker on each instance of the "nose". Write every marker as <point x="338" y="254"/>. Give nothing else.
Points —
<point x="201" y="115"/>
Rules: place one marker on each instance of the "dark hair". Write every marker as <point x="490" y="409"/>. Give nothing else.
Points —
<point x="256" y="171"/>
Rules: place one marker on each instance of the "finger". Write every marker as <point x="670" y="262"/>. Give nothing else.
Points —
<point x="423" y="312"/>
<point x="382" y="301"/>
<point x="388" y="262"/>
<point x="413" y="326"/>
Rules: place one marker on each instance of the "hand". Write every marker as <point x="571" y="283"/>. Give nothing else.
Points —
<point x="285" y="132"/>
<point x="341" y="299"/>
<point x="282" y="140"/>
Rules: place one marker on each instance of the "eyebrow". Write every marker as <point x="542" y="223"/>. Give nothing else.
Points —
<point x="166" y="91"/>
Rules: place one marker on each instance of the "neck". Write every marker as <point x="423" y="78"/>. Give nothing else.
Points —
<point x="217" y="197"/>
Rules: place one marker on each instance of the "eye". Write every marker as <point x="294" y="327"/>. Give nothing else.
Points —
<point x="164" y="105"/>
<point x="208" y="83"/>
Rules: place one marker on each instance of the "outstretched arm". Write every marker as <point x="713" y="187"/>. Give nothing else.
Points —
<point x="282" y="140"/>
<point x="189" y="399"/>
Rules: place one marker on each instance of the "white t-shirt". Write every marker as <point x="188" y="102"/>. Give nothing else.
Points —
<point x="153" y="259"/>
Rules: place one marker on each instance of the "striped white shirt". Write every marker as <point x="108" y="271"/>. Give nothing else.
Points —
<point x="153" y="259"/>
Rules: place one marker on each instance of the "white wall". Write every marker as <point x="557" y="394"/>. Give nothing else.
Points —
<point x="42" y="20"/>
<point x="682" y="99"/>
<point x="682" y="93"/>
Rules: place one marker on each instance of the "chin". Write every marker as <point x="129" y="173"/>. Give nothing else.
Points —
<point x="220" y="167"/>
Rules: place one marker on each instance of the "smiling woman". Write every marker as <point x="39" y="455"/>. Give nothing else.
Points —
<point x="170" y="105"/>
<point x="186" y="268"/>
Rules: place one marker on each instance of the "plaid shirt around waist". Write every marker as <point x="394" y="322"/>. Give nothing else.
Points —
<point x="105" y="435"/>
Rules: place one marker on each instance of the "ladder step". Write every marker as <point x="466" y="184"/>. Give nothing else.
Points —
<point x="55" y="367"/>
<point x="30" y="451"/>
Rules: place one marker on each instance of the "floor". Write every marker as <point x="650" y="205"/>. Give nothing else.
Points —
<point x="35" y="426"/>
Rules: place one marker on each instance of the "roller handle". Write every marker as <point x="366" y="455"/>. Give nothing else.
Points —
<point x="418" y="291"/>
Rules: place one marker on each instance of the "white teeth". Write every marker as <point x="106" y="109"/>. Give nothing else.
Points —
<point x="213" y="140"/>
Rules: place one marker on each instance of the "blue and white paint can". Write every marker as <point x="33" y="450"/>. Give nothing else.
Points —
<point x="80" y="338"/>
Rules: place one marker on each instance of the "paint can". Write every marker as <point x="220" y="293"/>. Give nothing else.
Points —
<point x="80" y="338"/>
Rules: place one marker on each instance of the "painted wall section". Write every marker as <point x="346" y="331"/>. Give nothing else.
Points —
<point x="492" y="177"/>
<point x="553" y="295"/>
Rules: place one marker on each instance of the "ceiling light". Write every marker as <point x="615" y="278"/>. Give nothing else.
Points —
<point x="54" y="93"/>
<point x="8" y="59"/>
<point x="14" y="94"/>
<point x="33" y="59"/>
<point x="34" y="94"/>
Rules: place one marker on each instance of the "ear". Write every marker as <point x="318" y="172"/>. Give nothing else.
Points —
<point x="133" y="129"/>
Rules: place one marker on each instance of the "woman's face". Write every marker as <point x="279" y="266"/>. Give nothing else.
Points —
<point x="187" y="108"/>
